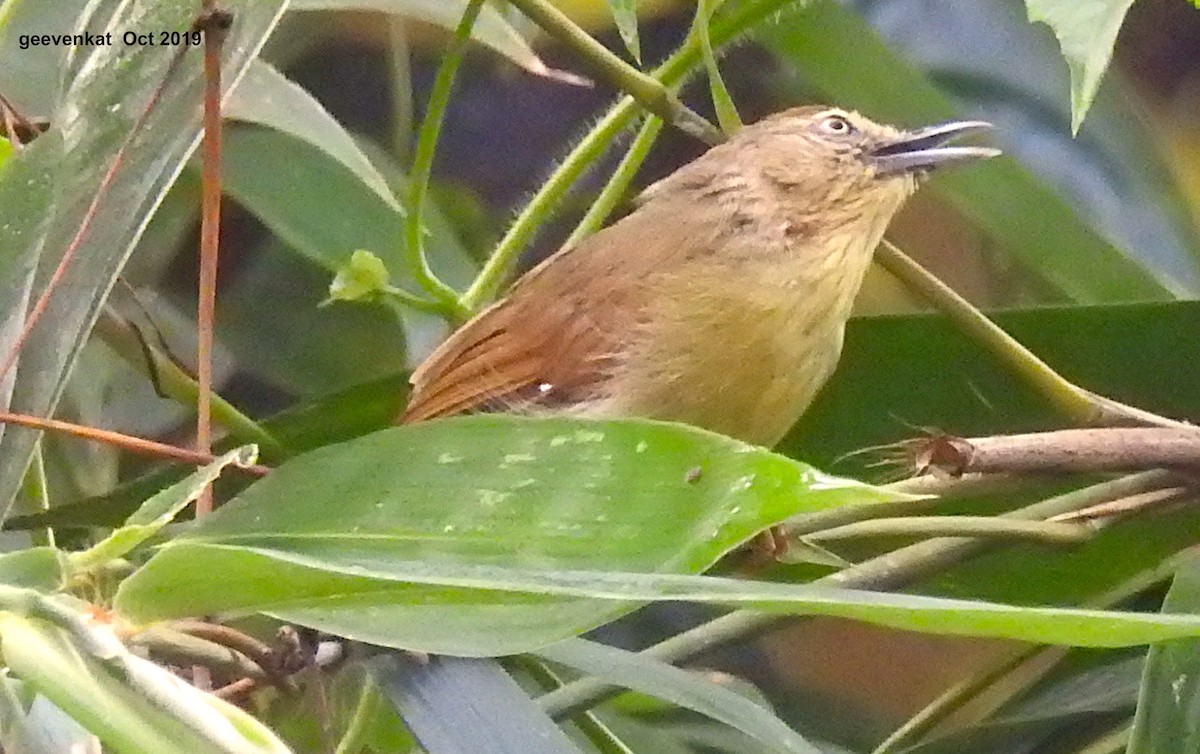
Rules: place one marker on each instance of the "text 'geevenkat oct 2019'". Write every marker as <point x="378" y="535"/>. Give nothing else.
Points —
<point x="191" y="37"/>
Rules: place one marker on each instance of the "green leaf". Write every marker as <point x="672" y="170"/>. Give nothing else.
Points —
<point x="364" y="277"/>
<point x="39" y="568"/>
<point x="477" y="492"/>
<point x="158" y="511"/>
<point x="625" y="17"/>
<point x="1026" y="218"/>
<point x="6" y="149"/>
<point x="355" y="588"/>
<point x="133" y="705"/>
<point x="727" y="114"/>
<point x="97" y="111"/>
<point x="1086" y="31"/>
<point x="321" y="208"/>
<point x="457" y="704"/>
<point x="268" y="98"/>
<point x="684" y="688"/>
<point x="1168" y="711"/>
<point x="490" y="28"/>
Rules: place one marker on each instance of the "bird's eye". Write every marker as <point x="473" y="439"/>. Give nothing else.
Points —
<point x="836" y="125"/>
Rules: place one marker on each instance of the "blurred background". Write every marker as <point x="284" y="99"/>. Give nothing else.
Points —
<point x="1110" y="216"/>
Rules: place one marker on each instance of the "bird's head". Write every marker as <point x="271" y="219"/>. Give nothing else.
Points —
<point x="840" y="163"/>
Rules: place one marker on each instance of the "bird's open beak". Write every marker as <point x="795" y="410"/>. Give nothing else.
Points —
<point x="922" y="150"/>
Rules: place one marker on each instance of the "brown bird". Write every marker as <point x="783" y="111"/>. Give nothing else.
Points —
<point x="719" y="302"/>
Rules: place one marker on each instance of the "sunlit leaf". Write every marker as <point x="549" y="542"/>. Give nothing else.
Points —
<point x="490" y="492"/>
<point x="132" y="704"/>
<point x="625" y="17"/>
<point x="1087" y="31"/>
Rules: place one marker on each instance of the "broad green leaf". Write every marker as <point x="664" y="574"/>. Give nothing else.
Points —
<point x="625" y="18"/>
<point x="1168" y="711"/>
<point x="6" y="149"/>
<point x="98" y="109"/>
<point x="158" y="511"/>
<point x="901" y="374"/>
<point x="490" y="28"/>
<point x="355" y="588"/>
<point x="1022" y="214"/>
<point x="268" y="98"/>
<point x="322" y="209"/>
<point x="133" y="705"/>
<point x="684" y="688"/>
<point x="1087" y="31"/>
<point x="479" y="492"/>
<point x="39" y="568"/>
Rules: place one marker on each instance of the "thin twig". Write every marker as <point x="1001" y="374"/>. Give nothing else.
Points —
<point x="179" y="648"/>
<point x="117" y="439"/>
<point x="214" y="24"/>
<point x="1064" y="451"/>
<point x="989" y="527"/>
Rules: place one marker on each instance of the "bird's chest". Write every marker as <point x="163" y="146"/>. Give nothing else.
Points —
<point x="741" y="358"/>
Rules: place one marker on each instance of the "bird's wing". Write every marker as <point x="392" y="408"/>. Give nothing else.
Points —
<point x="562" y="330"/>
<point x="554" y="339"/>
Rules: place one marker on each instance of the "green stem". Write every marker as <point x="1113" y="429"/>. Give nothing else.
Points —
<point x="889" y="571"/>
<point x="969" y="689"/>
<point x="36" y="489"/>
<point x="596" y="732"/>
<point x="427" y="140"/>
<point x="535" y="214"/>
<point x="488" y="281"/>
<point x="988" y="527"/>
<point x="645" y="88"/>
<point x="355" y="737"/>
<point x="171" y="381"/>
<point x="618" y="184"/>
<point x="1078" y="405"/>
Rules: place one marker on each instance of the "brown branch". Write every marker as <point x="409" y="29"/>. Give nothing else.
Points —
<point x="214" y="23"/>
<point x="1066" y="451"/>
<point x="123" y="441"/>
<point x="180" y="648"/>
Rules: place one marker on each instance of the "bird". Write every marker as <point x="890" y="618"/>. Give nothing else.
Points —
<point x="720" y="301"/>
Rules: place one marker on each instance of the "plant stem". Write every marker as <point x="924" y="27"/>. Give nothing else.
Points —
<point x="671" y="73"/>
<point x="618" y="184"/>
<point x="172" y="382"/>
<point x="990" y="527"/>
<point x="1080" y="406"/>
<point x="645" y="88"/>
<point x="418" y="187"/>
